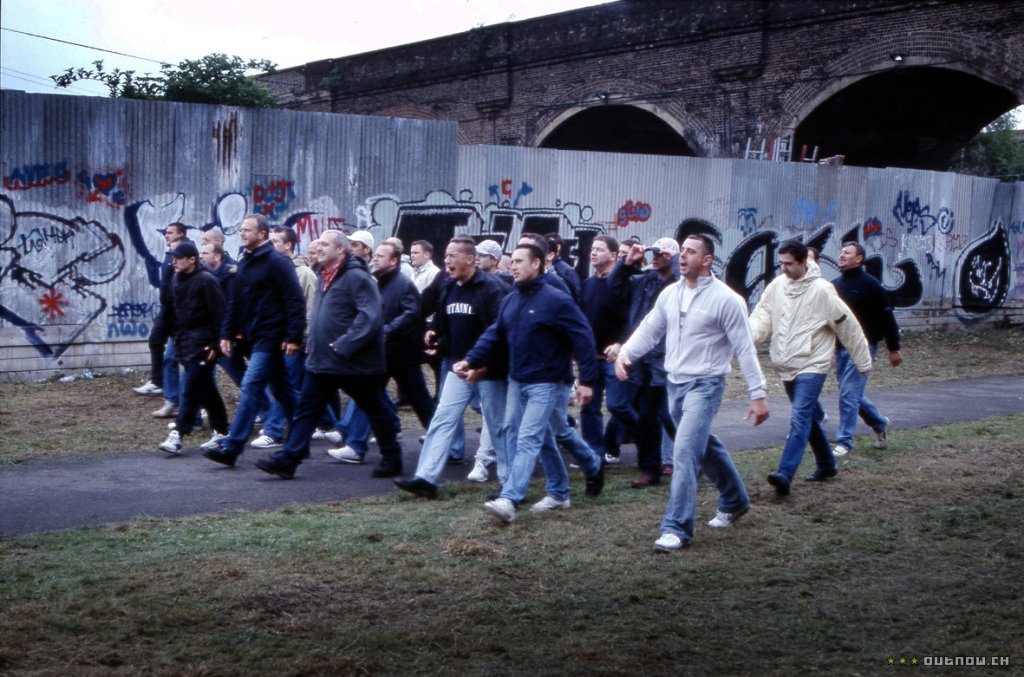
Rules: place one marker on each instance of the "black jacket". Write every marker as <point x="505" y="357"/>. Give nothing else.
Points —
<point x="195" y="314"/>
<point x="464" y="313"/>
<point x="267" y="306"/>
<point x="403" y="327"/>
<point x="346" y="334"/>
<point x="869" y="302"/>
<point x="637" y="290"/>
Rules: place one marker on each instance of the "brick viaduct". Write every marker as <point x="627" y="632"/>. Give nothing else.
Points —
<point x="899" y="83"/>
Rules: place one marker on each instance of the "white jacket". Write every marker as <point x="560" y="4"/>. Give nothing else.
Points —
<point x="700" y="343"/>
<point x="803" y="318"/>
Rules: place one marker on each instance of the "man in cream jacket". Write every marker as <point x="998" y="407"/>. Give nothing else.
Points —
<point x="704" y="324"/>
<point x="803" y="315"/>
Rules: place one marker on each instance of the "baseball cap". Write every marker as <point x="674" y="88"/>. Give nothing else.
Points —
<point x="490" y="248"/>
<point x="665" y="244"/>
<point x="185" y="249"/>
<point x="363" y="237"/>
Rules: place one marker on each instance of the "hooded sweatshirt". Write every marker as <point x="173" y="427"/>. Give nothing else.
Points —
<point x="803" y="318"/>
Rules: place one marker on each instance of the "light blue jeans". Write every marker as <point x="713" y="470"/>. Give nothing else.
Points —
<point x="527" y="433"/>
<point x="852" y="401"/>
<point x="694" y="405"/>
<point x="567" y="438"/>
<point x="456" y="395"/>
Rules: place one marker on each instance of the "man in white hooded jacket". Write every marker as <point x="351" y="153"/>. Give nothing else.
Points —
<point x="704" y="323"/>
<point x="803" y="315"/>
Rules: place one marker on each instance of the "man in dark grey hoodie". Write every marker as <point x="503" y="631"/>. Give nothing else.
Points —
<point x="345" y="350"/>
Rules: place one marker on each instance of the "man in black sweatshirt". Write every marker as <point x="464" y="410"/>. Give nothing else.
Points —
<point x="870" y="304"/>
<point x="193" y="319"/>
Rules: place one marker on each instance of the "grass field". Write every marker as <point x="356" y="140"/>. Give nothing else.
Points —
<point x="912" y="553"/>
<point x="102" y="414"/>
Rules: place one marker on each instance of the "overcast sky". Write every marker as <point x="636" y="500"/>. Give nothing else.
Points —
<point x="289" y="33"/>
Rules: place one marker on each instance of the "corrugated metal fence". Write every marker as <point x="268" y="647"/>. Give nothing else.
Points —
<point x="89" y="184"/>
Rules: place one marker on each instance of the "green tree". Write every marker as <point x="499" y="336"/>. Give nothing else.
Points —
<point x="997" y="151"/>
<point x="214" y="79"/>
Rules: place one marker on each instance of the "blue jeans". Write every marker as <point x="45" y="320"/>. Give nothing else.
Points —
<point x="694" y="405"/>
<point x="264" y="369"/>
<point x="805" y="426"/>
<point x="618" y="396"/>
<point x="457" y="450"/>
<point x="456" y="395"/>
<point x="566" y="437"/>
<point x="852" y="401"/>
<point x="527" y="433"/>
<point x="172" y="391"/>
<point x="354" y="425"/>
<point x="273" y="424"/>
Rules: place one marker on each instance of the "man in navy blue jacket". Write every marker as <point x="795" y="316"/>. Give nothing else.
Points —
<point x="870" y="304"/>
<point x="266" y="319"/>
<point x="541" y="329"/>
<point x="345" y="350"/>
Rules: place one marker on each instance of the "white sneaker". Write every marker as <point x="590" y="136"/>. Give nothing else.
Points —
<point x="882" y="438"/>
<point x="840" y="450"/>
<point x="172" y="445"/>
<point x="345" y="454"/>
<point x="214" y="442"/>
<point x="264" y="442"/>
<point x="612" y="460"/>
<point x="724" y="520"/>
<point x="169" y="410"/>
<point x="172" y="425"/>
<point x="502" y="508"/>
<point x="332" y="436"/>
<point x="668" y="543"/>
<point x="549" y="503"/>
<point x="149" y="389"/>
<point x="478" y="473"/>
<point x="372" y="440"/>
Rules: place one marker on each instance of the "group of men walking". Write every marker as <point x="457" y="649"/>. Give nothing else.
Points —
<point x="655" y="342"/>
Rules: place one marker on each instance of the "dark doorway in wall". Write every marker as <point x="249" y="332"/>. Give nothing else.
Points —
<point x="914" y="117"/>
<point x="617" y="129"/>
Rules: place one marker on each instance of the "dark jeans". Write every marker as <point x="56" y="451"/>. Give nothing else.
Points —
<point x="413" y="387"/>
<point x="318" y="390"/>
<point x="200" y="390"/>
<point x="652" y="415"/>
<point x="157" y="341"/>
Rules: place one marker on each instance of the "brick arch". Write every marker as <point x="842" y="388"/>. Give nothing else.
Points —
<point x="415" y="111"/>
<point x="623" y="93"/>
<point x="985" y="59"/>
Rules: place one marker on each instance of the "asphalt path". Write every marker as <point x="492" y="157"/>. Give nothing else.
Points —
<point x="43" y="495"/>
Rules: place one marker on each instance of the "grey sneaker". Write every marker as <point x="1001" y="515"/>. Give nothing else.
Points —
<point x="214" y="441"/>
<point x="345" y="454"/>
<point x="172" y="445"/>
<point x="478" y="473"/>
<point x="149" y="389"/>
<point x="723" y="520"/>
<point x="668" y="543"/>
<point x="882" y="436"/>
<point x="169" y="410"/>
<point x="550" y="503"/>
<point x="502" y="508"/>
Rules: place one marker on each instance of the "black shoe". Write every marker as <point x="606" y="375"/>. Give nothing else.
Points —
<point x="222" y="456"/>
<point x="595" y="483"/>
<point x="282" y="469"/>
<point x="455" y="461"/>
<point x="387" y="469"/>
<point x="821" y="475"/>
<point x="781" y="484"/>
<point x="418" y="486"/>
